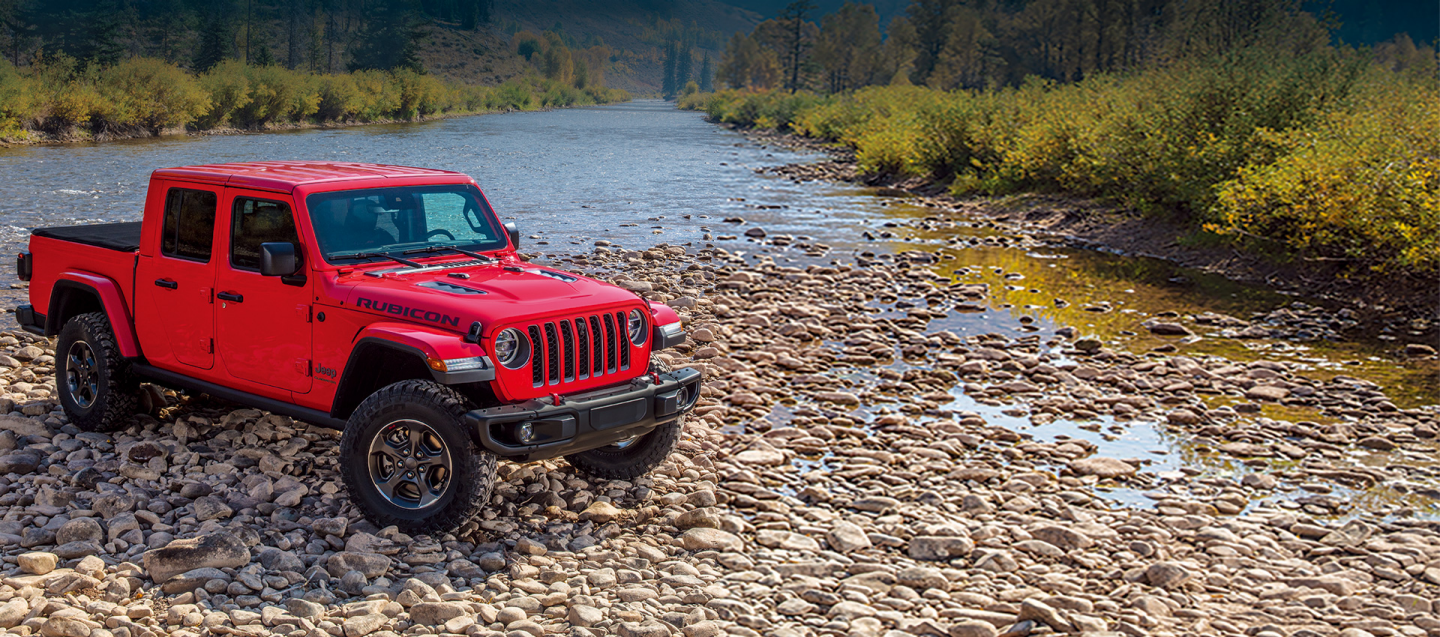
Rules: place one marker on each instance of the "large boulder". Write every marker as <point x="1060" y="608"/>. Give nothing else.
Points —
<point x="216" y="550"/>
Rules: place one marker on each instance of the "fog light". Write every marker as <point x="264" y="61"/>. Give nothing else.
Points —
<point x="524" y="433"/>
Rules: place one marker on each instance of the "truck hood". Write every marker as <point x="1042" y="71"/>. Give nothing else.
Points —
<point x="494" y="295"/>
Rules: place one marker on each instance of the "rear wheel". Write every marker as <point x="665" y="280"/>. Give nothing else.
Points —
<point x="96" y="389"/>
<point x="407" y="460"/>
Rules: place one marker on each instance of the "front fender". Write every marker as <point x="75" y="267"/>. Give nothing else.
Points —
<point x="434" y="347"/>
<point x="108" y="293"/>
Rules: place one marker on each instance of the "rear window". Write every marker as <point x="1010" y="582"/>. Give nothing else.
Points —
<point x="189" y="226"/>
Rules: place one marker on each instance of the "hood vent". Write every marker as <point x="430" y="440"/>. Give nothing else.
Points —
<point x="450" y="287"/>
<point x="555" y="275"/>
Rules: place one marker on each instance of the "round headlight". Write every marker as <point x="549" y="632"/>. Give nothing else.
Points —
<point x="635" y="326"/>
<point x="512" y="349"/>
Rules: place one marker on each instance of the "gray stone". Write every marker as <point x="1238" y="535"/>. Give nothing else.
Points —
<point x="371" y="565"/>
<point x="939" y="547"/>
<point x="217" y="550"/>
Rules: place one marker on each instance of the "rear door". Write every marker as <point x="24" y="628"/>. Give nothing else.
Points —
<point x="262" y="322"/>
<point x="176" y="323"/>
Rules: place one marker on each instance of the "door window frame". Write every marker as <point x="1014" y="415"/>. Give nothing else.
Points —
<point x="235" y="201"/>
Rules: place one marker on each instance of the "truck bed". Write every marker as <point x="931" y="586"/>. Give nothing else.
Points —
<point x="124" y="237"/>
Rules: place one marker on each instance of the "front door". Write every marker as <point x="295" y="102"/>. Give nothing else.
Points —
<point x="262" y="322"/>
<point x="177" y="324"/>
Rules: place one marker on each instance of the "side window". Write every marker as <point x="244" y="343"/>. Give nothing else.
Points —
<point x="257" y="221"/>
<point x="189" y="226"/>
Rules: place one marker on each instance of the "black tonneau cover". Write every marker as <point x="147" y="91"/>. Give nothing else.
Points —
<point x="124" y="237"/>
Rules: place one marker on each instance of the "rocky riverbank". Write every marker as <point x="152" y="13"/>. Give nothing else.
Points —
<point x="827" y="485"/>
<point x="1394" y="302"/>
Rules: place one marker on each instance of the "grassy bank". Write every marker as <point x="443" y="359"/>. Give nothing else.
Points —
<point x="1324" y="157"/>
<point x="60" y="99"/>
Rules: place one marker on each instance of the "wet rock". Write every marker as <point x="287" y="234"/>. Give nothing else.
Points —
<point x="1169" y="329"/>
<point x="1270" y="393"/>
<point x="1377" y="443"/>
<point x="1108" y="468"/>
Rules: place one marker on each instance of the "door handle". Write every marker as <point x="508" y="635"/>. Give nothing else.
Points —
<point x="231" y="296"/>
<point x="167" y="284"/>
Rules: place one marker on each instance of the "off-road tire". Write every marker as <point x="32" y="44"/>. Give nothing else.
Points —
<point x="637" y="459"/>
<point x="472" y="469"/>
<point x="114" y="388"/>
<point x="631" y="462"/>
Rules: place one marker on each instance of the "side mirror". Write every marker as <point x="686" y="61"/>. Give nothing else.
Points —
<point x="278" y="258"/>
<point x="514" y="233"/>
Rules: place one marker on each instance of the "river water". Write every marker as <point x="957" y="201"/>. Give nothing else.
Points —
<point x="643" y="173"/>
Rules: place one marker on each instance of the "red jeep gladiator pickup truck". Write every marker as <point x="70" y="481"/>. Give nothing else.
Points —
<point x="383" y="301"/>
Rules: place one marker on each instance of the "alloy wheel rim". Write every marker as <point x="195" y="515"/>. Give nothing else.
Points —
<point x="82" y="376"/>
<point x="626" y="443"/>
<point x="410" y="466"/>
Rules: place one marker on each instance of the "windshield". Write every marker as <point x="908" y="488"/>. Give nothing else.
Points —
<point x="403" y="219"/>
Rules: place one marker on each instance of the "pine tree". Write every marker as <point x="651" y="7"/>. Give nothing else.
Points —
<point x="102" y="44"/>
<point x="260" y="53"/>
<point x="668" y="87"/>
<point x="794" y="15"/>
<point x="707" y="84"/>
<point x="682" y="65"/>
<point x="389" y="40"/>
<point x="214" y="44"/>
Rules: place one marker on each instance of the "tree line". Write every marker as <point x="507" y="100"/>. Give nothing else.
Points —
<point x="680" y="74"/>
<point x="975" y="44"/>
<point x="325" y="36"/>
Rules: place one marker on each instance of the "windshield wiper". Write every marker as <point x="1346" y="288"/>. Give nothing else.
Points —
<point x="373" y="255"/>
<point x="432" y="249"/>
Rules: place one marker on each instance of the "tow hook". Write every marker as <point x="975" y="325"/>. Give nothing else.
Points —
<point x="655" y="377"/>
<point x="555" y="399"/>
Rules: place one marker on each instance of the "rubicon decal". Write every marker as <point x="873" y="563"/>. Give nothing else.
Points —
<point x="419" y="314"/>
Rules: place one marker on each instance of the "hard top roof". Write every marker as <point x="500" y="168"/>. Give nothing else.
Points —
<point x="284" y="176"/>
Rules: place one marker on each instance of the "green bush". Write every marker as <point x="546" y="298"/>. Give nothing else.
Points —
<point x="17" y="101"/>
<point x="151" y="93"/>
<point x="1323" y="155"/>
<point x="228" y="86"/>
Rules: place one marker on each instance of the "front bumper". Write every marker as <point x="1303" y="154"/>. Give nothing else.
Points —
<point x="585" y="421"/>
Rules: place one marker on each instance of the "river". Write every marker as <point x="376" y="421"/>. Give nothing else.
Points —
<point x="643" y="173"/>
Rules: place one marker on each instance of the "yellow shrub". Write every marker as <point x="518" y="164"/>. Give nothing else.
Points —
<point x="151" y="93"/>
<point x="228" y="87"/>
<point x="17" y="100"/>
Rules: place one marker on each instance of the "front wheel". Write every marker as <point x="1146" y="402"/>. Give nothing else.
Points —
<point x="407" y="460"/>
<point x="96" y="388"/>
<point x="632" y="457"/>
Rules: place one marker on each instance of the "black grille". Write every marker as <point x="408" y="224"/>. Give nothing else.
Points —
<point x="624" y="339"/>
<point x="578" y="348"/>
<point x="537" y="358"/>
<point x="567" y="343"/>
<point x="552" y="345"/>
<point x="609" y="344"/>
<point x="597" y="339"/>
<point x="582" y="340"/>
